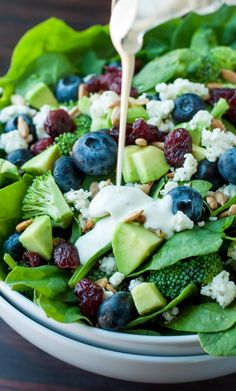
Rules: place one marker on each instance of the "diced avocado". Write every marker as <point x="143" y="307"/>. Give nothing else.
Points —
<point x="100" y="123"/>
<point x="136" y="112"/>
<point x="150" y="164"/>
<point x="43" y="162"/>
<point x="147" y="298"/>
<point x="198" y="152"/>
<point x="196" y="134"/>
<point x="8" y="173"/>
<point x="132" y="245"/>
<point x="129" y="171"/>
<point x="38" y="237"/>
<point x="40" y="95"/>
<point x="84" y="105"/>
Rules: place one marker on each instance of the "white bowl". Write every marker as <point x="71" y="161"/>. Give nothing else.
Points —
<point x="139" y="368"/>
<point x="121" y="342"/>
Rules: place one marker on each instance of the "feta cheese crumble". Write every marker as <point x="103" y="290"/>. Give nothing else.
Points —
<point x="12" y="141"/>
<point x="116" y="279"/>
<point x="171" y="314"/>
<point x="100" y="103"/>
<point x="181" y="221"/>
<point x="228" y="190"/>
<point x="202" y="118"/>
<point x="10" y="111"/>
<point x="220" y="289"/>
<point x="108" y="265"/>
<point x="39" y="120"/>
<point x="180" y="87"/>
<point x="170" y="185"/>
<point x="79" y="199"/>
<point x="160" y="109"/>
<point x="135" y="282"/>
<point x="189" y="168"/>
<point x="217" y="142"/>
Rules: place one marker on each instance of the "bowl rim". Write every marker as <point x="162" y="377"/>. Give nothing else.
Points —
<point x="126" y="337"/>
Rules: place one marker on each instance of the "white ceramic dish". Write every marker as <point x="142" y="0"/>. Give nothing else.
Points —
<point x="139" y="368"/>
<point x="121" y="342"/>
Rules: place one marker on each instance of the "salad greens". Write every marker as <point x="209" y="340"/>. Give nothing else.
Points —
<point x="195" y="48"/>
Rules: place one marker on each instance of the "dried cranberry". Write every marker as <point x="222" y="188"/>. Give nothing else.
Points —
<point x="31" y="259"/>
<point x="41" y="145"/>
<point x="109" y="80"/>
<point x="66" y="255"/>
<point x="58" y="122"/>
<point x="139" y="129"/>
<point x="90" y="297"/>
<point x="176" y="145"/>
<point x="228" y="94"/>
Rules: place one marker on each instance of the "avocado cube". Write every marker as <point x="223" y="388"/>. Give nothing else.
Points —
<point x="40" y="95"/>
<point x="37" y="237"/>
<point x="198" y="152"/>
<point x="43" y="162"/>
<point x="132" y="245"/>
<point x="147" y="298"/>
<point x="136" y="112"/>
<point x="129" y="171"/>
<point x="150" y="164"/>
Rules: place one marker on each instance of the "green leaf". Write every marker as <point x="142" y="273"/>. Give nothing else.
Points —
<point x="90" y="64"/>
<point x="76" y="231"/>
<point x="226" y="206"/>
<point x="221" y="344"/>
<point x="201" y="186"/>
<point x="204" y="318"/>
<point x="220" y="225"/>
<point x="9" y="261"/>
<point x="185" y="244"/>
<point x="190" y="290"/>
<point x="61" y="312"/>
<point x="47" y="280"/>
<point x="11" y="198"/>
<point x="151" y="333"/>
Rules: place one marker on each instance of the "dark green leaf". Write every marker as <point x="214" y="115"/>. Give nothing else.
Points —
<point x="219" y="344"/>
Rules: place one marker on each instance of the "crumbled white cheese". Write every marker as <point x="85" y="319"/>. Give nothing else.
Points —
<point x="39" y="120"/>
<point x="171" y="314"/>
<point x="170" y="185"/>
<point x="220" y="289"/>
<point x="202" y="118"/>
<point x="166" y="125"/>
<point x="100" y="103"/>
<point x="232" y="251"/>
<point x="135" y="282"/>
<point x="116" y="279"/>
<point x="212" y="218"/>
<point x="11" y="141"/>
<point x="201" y="224"/>
<point x="80" y="201"/>
<point x="9" y="112"/>
<point x="180" y="87"/>
<point x="189" y="168"/>
<point x="160" y="109"/>
<point x="217" y="142"/>
<point x="108" y="265"/>
<point x="228" y="190"/>
<point x="17" y="100"/>
<point x="180" y="222"/>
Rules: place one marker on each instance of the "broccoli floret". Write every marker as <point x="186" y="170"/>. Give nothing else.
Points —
<point x="197" y="270"/>
<point x="96" y="274"/>
<point x="65" y="142"/>
<point x="83" y="124"/>
<point x="44" y="197"/>
<point x="207" y="68"/>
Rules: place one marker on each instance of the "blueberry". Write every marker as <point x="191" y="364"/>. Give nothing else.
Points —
<point x="66" y="89"/>
<point x="186" y="106"/>
<point x="116" y="312"/>
<point x="67" y="176"/>
<point x="208" y="171"/>
<point x="227" y="166"/>
<point x="188" y="201"/>
<point x="13" y="246"/>
<point x="19" y="157"/>
<point x="95" y="153"/>
<point x="13" y="122"/>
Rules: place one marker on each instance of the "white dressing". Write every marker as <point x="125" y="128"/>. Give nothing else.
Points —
<point x="120" y="205"/>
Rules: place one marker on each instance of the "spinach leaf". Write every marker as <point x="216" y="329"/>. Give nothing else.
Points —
<point x="91" y="64"/>
<point x="76" y="231"/>
<point x="151" y="333"/>
<point x="222" y="343"/>
<point x="220" y="225"/>
<point x="61" y="312"/>
<point x="204" y="318"/>
<point x="226" y="206"/>
<point x="11" y="198"/>
<point x="9" y="261"/>
<point x="47" y="280"/>
<point x="201" y="186"/>
<point x="190" y="290"/>
<point x="185" y="244"/>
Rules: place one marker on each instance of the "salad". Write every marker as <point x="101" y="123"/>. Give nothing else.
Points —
<point x="159" y="256"/>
